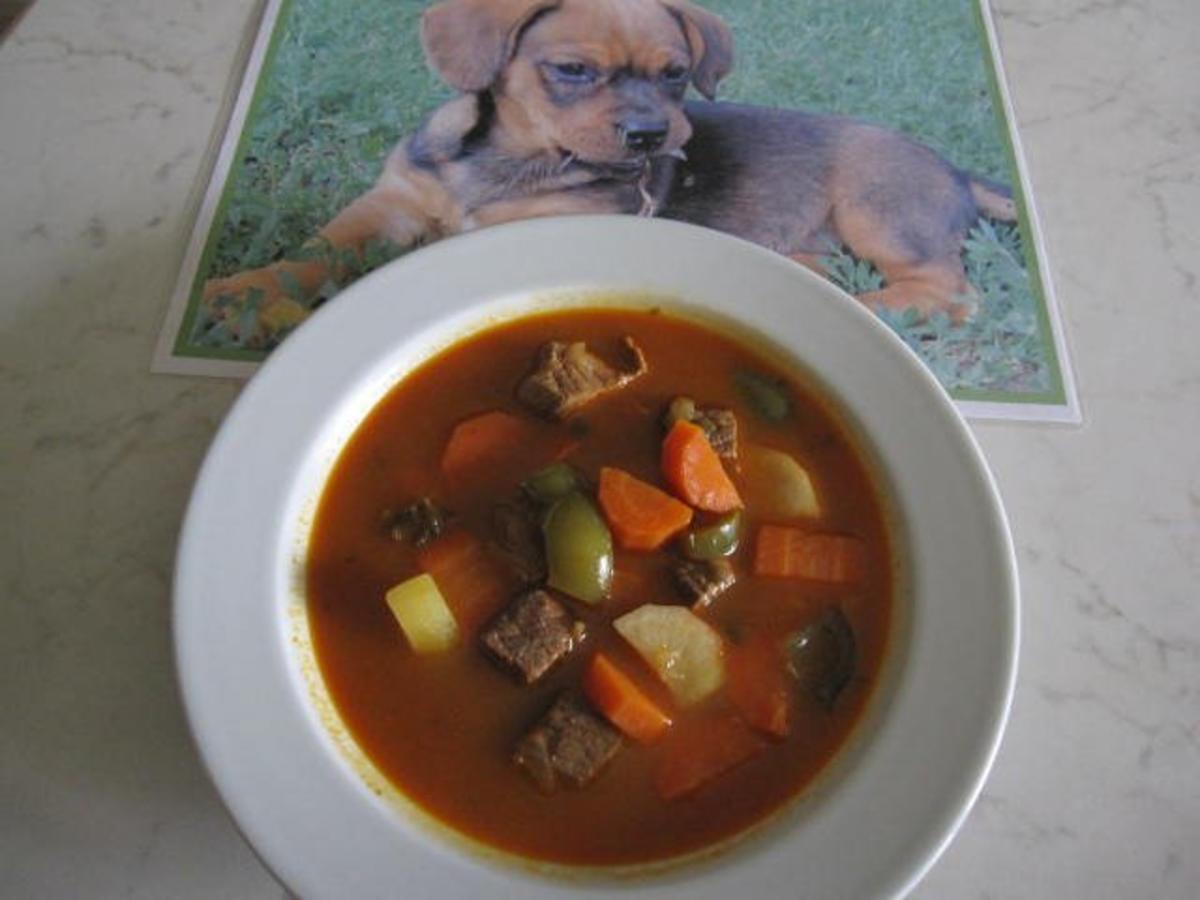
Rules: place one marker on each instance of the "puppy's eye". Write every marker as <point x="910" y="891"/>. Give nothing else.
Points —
<point x="572" y="72"/>
<point x="675" y="74"/>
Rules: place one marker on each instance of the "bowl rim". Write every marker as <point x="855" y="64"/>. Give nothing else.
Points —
<point x="340" y="350"/>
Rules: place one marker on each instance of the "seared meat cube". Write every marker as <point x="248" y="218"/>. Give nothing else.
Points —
<point x="703" y="581"/>
<point x="569" y="375"/>
<point x="720" y="425"/>
<point x="532" y="634"/>
<point x="519" y="537"/>
<point x="418" y="523"/>
<point x="569" y="744"/>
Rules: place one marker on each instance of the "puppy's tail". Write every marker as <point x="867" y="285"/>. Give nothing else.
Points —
<point x="995" y="200"/>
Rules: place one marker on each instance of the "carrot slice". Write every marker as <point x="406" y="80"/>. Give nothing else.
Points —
<point x="692" y="759"/>
<point x="640" y="515"/>
<point x="786" y="552"/>
<point x="472" y="582"/>
<point x="757" y="684"/>
<point x="623" y="702"/>
<point x="494" y="442"/>
<point x="694" y="471"/>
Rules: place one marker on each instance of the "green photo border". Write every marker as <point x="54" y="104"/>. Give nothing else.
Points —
<point x="1056" y="394"/>
<point x="182" y="346"/>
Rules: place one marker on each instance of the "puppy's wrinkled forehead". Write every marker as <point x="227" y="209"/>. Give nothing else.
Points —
<point x="610" y="34"/>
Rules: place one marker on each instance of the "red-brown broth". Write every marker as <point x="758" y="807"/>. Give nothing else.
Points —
<point x="442" y="729"/>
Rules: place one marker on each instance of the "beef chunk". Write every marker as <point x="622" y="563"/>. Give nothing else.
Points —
<point x="720" y="425"/>
<point x="703" y="581"/>
<point x="519" y="538"/>
<point x="569" y="375"/>
<point x="532" y="634"/>
<point x="418" y="523"/>
<point x="569" y="744"/>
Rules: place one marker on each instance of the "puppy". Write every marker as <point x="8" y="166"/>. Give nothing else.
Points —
<point x="577" y="106"/>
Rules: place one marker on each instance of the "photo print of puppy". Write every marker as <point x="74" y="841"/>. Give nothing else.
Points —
<point x="558" y="107"/>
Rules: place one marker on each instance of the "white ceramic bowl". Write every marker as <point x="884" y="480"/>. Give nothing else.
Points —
<point x="296" y="785"/>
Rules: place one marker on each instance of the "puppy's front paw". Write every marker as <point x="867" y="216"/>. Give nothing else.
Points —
<point x="253" y="305"/>
<point x="281" y="314"/>
<point x="262" y="283"/>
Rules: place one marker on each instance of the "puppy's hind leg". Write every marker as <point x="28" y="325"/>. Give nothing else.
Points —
<point x="928" y="288"/>
<point x="922" y="268"/>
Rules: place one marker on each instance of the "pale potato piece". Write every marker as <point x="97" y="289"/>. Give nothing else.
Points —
<point x="423" y="615"/>
<point x="776" y="486"/>
<point x="682" y="649"/>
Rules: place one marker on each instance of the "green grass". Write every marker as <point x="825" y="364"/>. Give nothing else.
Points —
<point x="911" y="64"/>
<point x="348" y="80"/>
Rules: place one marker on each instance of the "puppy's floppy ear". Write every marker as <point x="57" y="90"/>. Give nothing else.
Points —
<point x="469" y="42"/>
<point x="710" y="42"/>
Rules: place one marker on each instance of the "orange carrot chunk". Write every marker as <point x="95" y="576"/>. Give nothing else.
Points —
<point x="623" y="702"/>
<point x="501" y="446"/>
<point x="473" y="583"/>
<point x="640" y="515"/>
<point x="757" y="684"/>
<point x="694" y="470"/>
<point x="693" y="759"/>
<point x="785" y="552"/>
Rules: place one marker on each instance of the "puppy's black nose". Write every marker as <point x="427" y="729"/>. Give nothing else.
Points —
<point x="643" y="134"/>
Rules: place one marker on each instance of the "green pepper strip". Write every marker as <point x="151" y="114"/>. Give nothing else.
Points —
<point x="579" y="549"/>
<point x="551" y="483"/>
<point x="766" y="396"/>
<point x="717" y="540"/>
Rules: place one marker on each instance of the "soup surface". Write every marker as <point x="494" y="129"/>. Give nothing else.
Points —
<point x="697" y="722"/>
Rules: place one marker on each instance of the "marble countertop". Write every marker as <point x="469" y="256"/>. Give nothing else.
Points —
<point x="107" y="111"/>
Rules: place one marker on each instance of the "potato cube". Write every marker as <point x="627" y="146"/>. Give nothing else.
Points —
<point x="423" y="615"/>
<point x="778" y="487"/>
<point x="682" y="649"/>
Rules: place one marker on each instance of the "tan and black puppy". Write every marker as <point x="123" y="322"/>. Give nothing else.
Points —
<point x="577" y="106"/>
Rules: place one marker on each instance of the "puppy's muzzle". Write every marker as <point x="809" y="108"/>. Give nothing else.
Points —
<point x="643" y="134"/>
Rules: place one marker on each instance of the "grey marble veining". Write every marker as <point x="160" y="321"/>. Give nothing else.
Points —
<point x="107" y="110"/>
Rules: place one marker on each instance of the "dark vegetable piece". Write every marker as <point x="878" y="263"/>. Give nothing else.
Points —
<point x="551" y="483"/>
<point x="767" y="396"/>
<point x="518" y="536"/>
<point x="567" y="376"/>
<point x="570" y="745"/>
<point x="579" y="549"/>
<point x="717" y="540"/>
<point x="822" y="657"/>
<point x="418" y="523"/>
<point x="532" y="635"/>
<point x="720" y="425"/>
<point x="703" y="581"/>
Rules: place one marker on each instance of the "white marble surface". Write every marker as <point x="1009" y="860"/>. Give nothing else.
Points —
<point x="105" y="112"/>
